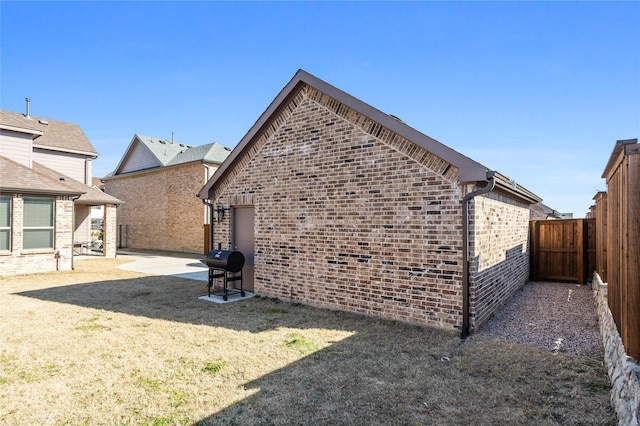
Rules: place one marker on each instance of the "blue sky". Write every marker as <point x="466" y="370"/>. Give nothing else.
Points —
<point x="539" y="91"/>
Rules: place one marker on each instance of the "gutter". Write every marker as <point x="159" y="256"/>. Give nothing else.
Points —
<point x="491" y="176"/>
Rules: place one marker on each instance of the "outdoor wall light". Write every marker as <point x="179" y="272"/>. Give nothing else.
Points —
<point x="220" y="212"/>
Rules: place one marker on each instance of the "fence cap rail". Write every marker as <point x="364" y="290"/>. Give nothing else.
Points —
<point x="620" y="149"/>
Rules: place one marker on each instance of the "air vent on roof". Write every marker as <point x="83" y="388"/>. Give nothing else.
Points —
<point x="46" y="123"/>
<point x="27" y="116"/>
<point x="393" y="116"/>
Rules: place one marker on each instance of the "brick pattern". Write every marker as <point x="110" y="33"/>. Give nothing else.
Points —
<point x="499" y="252"/>
<point x="351" y="216"/>
<point x="110" y="234"/>
<point x="19" y="261"/>
<point x="161" y="209"/>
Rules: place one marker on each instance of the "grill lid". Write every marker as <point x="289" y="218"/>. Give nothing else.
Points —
<point x="231" y="261"/>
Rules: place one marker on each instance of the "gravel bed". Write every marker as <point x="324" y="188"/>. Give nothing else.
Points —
<point x="557" y="317"/>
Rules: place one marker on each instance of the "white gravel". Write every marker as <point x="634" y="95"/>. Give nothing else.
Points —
<point x="557" y="317"/>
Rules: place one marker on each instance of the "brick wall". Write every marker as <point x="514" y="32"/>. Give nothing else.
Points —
<point x="161" y="209"/>
<point x="350" y="216"/>
<point x="499" y="247"/>
<point x="19" y="261"/>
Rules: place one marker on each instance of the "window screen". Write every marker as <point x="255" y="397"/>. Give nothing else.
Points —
<point x="38" y="223"/>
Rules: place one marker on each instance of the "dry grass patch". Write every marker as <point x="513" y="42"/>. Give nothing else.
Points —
<point x="99" y="345"/>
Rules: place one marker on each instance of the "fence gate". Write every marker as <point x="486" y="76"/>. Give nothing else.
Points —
<point x="562" y="250"/>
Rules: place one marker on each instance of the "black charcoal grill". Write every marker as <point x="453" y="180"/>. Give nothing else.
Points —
<point x="225" y="264"/>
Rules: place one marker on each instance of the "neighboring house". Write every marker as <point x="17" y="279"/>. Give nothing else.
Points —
<point x="97" y="213"/>
<point x="45" y="195"/>
<point x="546" y="212"/>
<point x="158" y="180"/>
<point x="339" y="205"/>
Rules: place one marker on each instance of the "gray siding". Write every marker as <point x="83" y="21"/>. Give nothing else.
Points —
<point x="71" y="165"/>
<point x="139" y="159"/>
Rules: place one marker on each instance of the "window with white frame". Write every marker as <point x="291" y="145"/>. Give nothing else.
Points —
<point x="5" y="223"/>
<point x="37" y="228"/>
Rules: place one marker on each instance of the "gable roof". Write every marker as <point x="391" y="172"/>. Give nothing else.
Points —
<point x="41" y="180"/>
<point x="162" y="149"/>
<point x="53" y="134"/>
<point x="97" y="183"/>
<point x="549" y="211"/>
<point x="9" y="122"/>
<point x="147" y="152"/>
<point x="470" y="171"/>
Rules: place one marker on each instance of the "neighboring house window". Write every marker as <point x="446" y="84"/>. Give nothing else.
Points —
<point x="37" y="230"/>
<point x="5" y="222"/>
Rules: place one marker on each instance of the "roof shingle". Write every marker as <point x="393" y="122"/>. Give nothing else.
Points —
<point x="15" y="177"/>
<point x="56" y="134"/>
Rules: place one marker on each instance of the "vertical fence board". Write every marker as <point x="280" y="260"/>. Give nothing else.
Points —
<point x="631" y="258"/>
<point x="613" y="246"/>
<point x="590" y="242"/>
<point x="558" y="250"/>
<point x="579" y="254"/>
<point x="622" y="235"/>
<point x="601" y="232"/>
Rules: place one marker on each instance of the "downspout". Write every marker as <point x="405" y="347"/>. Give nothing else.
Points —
<point x="211" y="244"/>
<point x="465" y="249"/>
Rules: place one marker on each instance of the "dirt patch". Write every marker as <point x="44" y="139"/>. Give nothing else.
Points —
<point x="100" y="345"/>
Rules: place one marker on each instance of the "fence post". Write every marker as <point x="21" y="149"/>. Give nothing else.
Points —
<point x="631" y="255"/>
<point x="601" y="234"/>
<point x="622" y="173"/>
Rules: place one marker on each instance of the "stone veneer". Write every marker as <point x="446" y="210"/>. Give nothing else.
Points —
<point x="624" y="372"/>
<point x="351" y="216"/>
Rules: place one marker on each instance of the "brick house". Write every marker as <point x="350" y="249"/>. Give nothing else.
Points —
<point x="46" y="195"/>
<point x="339" y="205"/>
<point x="158" y="180"/>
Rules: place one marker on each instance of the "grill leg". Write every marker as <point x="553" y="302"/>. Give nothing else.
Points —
<point x="210" y="281"/>
<point x="225" y="297"/>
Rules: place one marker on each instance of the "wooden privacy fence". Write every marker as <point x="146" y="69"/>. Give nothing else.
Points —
<point x="563" y="250"/>
<point x="618" y="234"/>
